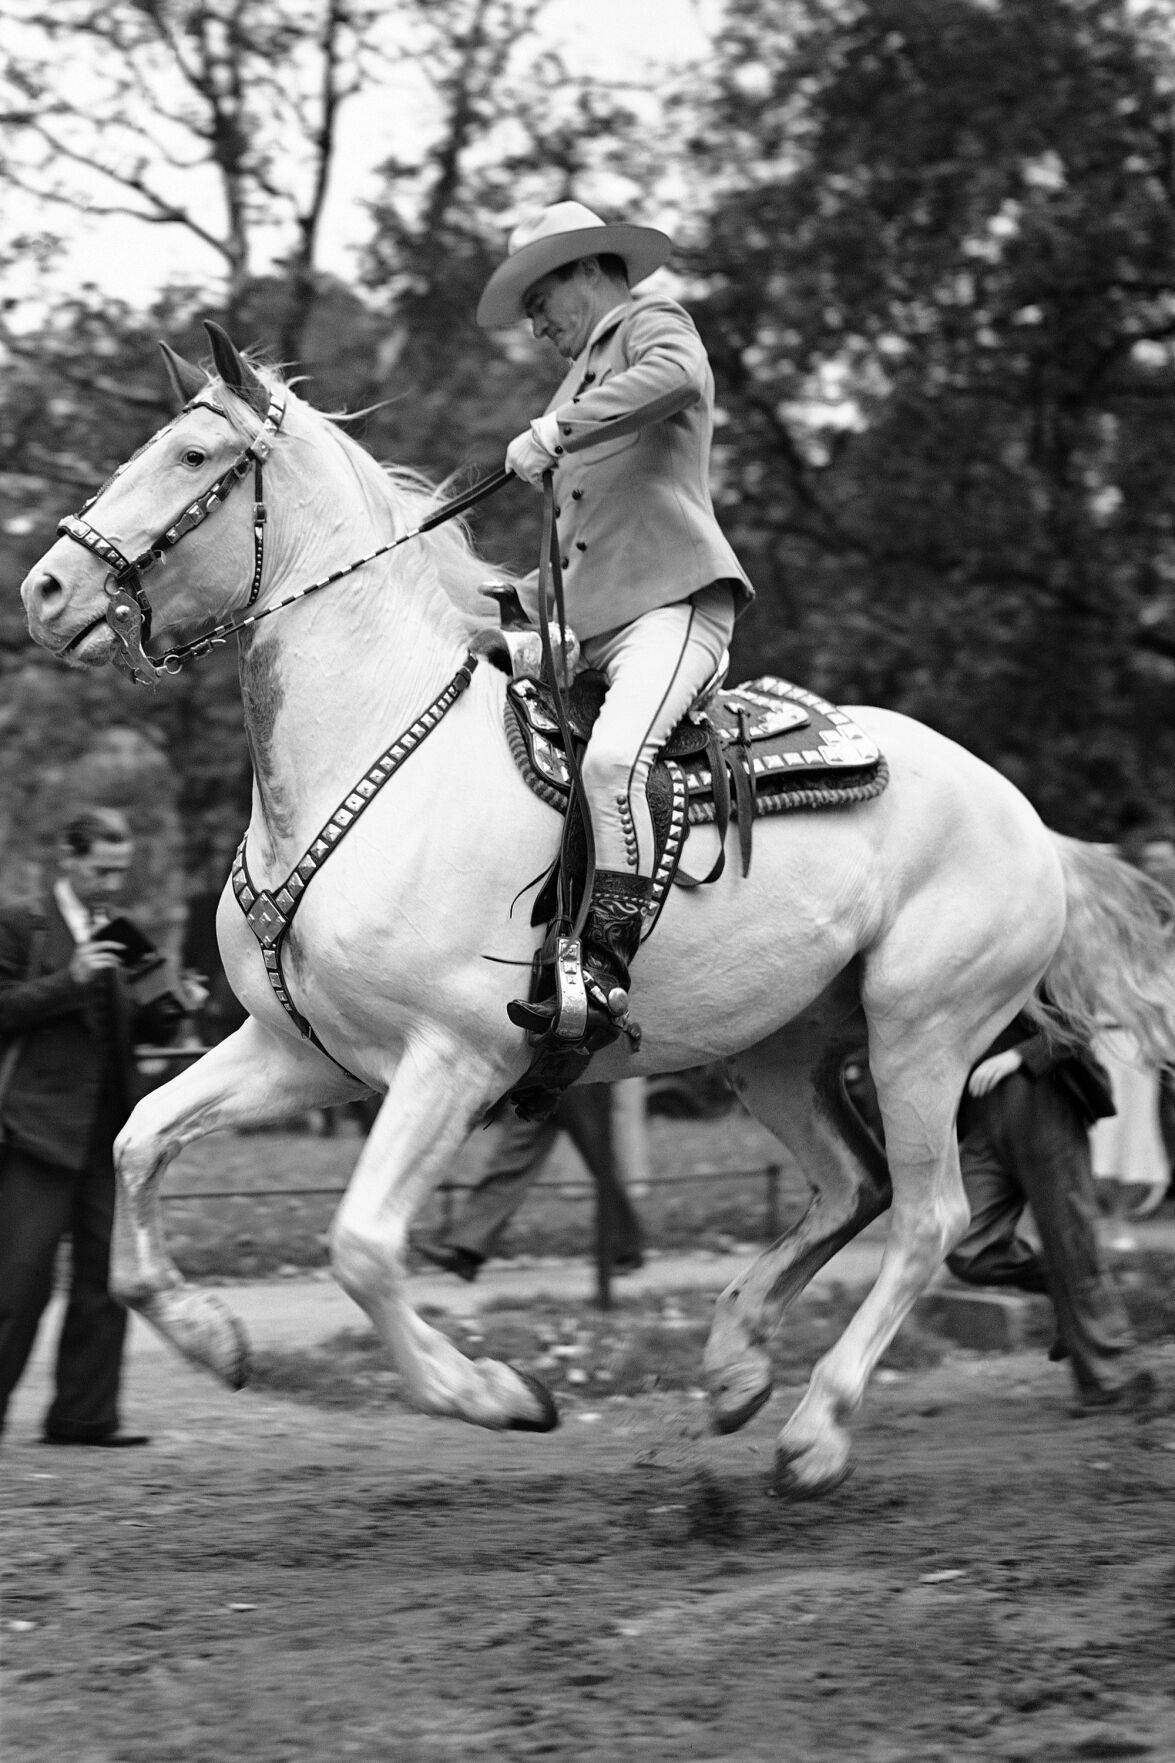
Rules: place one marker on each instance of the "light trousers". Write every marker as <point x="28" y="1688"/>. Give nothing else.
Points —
<point x="655" y="668"/>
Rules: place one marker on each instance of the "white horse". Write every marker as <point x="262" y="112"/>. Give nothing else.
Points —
<point x="920" y="921"/>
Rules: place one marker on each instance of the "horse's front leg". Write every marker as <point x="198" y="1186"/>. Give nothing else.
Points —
<point x="441" y="1089"/>
<point x="253" y="1078"/>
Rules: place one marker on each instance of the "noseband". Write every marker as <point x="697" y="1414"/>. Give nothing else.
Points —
<point x="128" y="610"/>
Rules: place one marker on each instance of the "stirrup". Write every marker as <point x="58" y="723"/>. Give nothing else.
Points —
<point x="566" y="1014"/>
<point x="569" y="1018"/>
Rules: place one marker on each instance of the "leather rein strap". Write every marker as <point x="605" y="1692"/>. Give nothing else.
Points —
<point x="551" y="587"/>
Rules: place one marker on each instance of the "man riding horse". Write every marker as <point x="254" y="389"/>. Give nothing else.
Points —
<point x="652" y="587"/>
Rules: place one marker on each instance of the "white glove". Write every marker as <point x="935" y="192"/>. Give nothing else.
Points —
<point x="534" y="451"/>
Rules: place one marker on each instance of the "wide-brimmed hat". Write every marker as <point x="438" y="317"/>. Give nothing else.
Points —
<point x="563" y="233"/>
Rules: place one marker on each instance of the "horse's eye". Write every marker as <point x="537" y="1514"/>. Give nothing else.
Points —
<point x="193" y="456"/>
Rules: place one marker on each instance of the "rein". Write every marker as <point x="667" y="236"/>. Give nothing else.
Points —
<point x="551" y="587"/>
<point x="128" y="612"/>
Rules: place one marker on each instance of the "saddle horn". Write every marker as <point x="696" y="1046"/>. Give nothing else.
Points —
<point x="186" y="381"/>
<point x="235" y="371"/>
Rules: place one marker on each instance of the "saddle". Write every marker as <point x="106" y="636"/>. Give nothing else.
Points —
<point x="767" y="747"/>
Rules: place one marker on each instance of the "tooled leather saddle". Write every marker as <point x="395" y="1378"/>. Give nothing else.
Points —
<point x="766" y="747"/>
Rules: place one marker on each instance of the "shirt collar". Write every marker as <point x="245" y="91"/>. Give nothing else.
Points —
<point x="76" y="916"/>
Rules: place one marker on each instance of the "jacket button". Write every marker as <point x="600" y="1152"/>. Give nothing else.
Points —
<point x="581" y="544"/>
<point x="577" y="495"/>
<point x="563" y="562"/>
<point x="558" y="511"/>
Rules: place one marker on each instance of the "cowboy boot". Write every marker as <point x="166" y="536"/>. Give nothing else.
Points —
<point x="612" y="936"/>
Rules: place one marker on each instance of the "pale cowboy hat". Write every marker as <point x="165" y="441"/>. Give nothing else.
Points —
<point x="563" y="233"/>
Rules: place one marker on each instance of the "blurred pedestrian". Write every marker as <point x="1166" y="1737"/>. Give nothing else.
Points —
<point x="1024" y="1129"/>
<point x="68" y="1020"/>
<point x="517" y="1162"/>
<point x="1132" y="1152"/>
<point x="1130" y="1159"/>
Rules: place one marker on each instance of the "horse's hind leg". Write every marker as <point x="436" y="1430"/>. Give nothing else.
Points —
<point x="794" y="1084"/>
<point x="919" y="1074"/>
<point x="253" y="1078"/>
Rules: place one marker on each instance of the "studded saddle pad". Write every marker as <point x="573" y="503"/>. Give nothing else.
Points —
<point x="793" y="749"/>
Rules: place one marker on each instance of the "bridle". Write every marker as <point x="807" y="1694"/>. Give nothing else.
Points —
<point x="128" y="610"/>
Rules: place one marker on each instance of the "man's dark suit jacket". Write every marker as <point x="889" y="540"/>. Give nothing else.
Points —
<point x="75" y="1074"/>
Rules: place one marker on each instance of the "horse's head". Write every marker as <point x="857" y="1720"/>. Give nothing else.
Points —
<point x="124" y="582"/>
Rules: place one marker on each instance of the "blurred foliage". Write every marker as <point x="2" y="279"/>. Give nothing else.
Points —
<point x="931" y="247"/>
<point x="937" y="280"/>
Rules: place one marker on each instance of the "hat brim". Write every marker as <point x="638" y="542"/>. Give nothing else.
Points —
<point x="643" y="249"/>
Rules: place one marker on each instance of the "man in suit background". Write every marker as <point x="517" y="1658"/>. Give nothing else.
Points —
<point x="68" y="1019"/>
<point x="1023" y="1133"/>
<point x="1024" y="1142"/>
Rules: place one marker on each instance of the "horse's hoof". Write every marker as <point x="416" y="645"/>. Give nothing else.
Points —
<point x="204" y="1330"/>
<point x="738" y="1389"/>
<point x="548" y="1418"/>
<point x="787" y="1483"/>
<point x="727" y="1416"/>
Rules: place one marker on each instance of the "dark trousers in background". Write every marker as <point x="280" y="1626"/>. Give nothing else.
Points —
<point x="517" y="1161"/>
<point x="1026" y="1144"/>
<point x="40" y="1204"/>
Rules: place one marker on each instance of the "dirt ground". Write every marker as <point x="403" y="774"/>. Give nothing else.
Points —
<point x="272" y="1580"/>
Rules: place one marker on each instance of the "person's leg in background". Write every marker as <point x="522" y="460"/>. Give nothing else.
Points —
<point x="1167" y="1121"/>
<point x="36" y="1200"/>
<point x="585" y="1114"/>
<point x="515" y="1164"/>
<point x="1048" y="1145"/>
<point x="992" y="1252"/>
<point x="93" y="1333"/>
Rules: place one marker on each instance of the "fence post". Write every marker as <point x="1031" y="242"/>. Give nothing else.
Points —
<point x="771" y="1211"/>
<point x="630" y="1135"/>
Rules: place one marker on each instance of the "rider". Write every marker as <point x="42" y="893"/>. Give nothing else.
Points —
<point x="652" y="587"/>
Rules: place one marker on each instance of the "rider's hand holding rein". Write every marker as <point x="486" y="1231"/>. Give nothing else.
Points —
<point x="535" y="450"/>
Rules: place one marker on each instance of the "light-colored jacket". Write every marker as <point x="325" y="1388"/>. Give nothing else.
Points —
<point x="635" y="517"/>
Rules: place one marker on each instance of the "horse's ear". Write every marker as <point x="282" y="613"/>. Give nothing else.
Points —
<point x="235" y="371"/>
<point x="186" y="381"/>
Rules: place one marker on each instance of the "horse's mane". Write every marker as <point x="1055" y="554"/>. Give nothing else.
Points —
<point x="409" y="497"/>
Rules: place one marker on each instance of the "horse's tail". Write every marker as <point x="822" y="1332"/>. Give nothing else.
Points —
<point x="1116" y="961"/>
